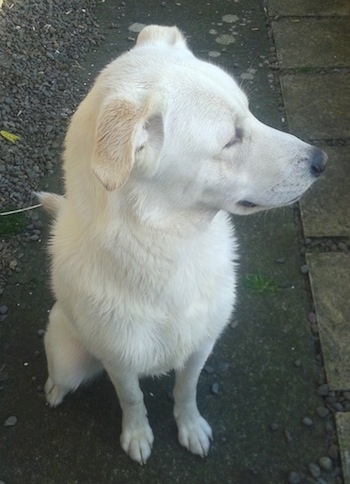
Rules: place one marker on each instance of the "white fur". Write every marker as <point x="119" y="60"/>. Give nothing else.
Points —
<point x="142" y="248"/>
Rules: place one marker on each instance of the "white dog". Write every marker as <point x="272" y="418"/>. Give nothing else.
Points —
<point x="162" y="147"/>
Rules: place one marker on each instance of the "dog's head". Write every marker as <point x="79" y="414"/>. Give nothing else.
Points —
<point x="182" y="127"/>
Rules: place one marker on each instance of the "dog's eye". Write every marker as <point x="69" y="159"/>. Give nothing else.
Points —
<point x="232" y="142"/>
<point x="237" y="138"/>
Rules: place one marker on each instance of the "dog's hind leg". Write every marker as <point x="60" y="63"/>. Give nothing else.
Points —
<point x="194" y="432"/>
<point x="69" y="363"/>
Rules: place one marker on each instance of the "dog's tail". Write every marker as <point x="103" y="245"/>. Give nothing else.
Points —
<point x="51" y="202"/>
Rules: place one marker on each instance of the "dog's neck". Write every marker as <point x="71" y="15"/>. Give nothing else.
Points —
<point x="159" y="212"/>
<point x="141" y="209"/>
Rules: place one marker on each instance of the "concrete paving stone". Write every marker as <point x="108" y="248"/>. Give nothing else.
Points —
<point x="325" y="210"/>
<point x="327" y="39"/>
<point x="343" y="430"/>
<point x="317" y="105"/>
<point x="330" y="282"/>
<point x="309" y="7"/>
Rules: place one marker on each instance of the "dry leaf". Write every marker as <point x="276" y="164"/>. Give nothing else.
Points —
<point x="9" y="136"/>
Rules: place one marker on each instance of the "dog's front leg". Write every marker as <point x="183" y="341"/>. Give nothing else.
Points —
<point x="137" y="436"/>
<point x="193" y="431"/>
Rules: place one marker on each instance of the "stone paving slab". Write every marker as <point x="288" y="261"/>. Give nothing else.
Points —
<point x="317" y="105"/>
<point x="325" y="209"/>
<point x="330" y="282"/>
<point x="309" y="7"/>
<point x="328" y="42"/>
<point x="343" y="430"/>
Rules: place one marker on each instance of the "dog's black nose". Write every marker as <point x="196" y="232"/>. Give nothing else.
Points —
<point x="318" y="162"/>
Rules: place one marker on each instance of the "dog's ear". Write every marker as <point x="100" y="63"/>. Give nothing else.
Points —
<point x="119" y="134"/>
<point x="153" y="34"/>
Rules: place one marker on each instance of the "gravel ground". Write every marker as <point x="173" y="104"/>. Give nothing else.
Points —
<point x="42" y="43"/>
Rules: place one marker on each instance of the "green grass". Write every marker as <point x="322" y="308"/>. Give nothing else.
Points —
<point x="261" y="284"/>
<point x="12" y="224"/>
<point x="305" y="70"/>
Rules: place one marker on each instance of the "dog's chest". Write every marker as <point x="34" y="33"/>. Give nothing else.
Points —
<point x="154" y="326"/>
<point x="151" y="311"/>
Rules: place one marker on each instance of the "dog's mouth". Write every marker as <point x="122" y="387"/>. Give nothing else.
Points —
<point x="247" y="204"/>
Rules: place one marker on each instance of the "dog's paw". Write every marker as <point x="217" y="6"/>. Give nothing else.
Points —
<point x="137" y="442"/>
<point x="54" y="393"/>
<point x="194" y="433"/>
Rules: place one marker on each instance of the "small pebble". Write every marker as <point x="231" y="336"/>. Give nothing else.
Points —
<point x="214" y="53"/>
<point x="215" y="388"/>
<point x="274" y="426"/>
<point x="318" y="358"/>
<point x="224" y="367"/>
<point x="323" y="390"/>
<point x="229" y="18"/>
<point x="333" y="451"/>
<point x="246" y="76"/>
<point x="322" y="412"/>
<point x="326" y="463"/>
<point x="294" y="478"/>
<point x="312" y="318"/>
<point x="304" y="269"/>
<point x="225" y="39"/>
<point x="3" y="309"/>
<point x="297" y="363"/>
<point x="13" y="264"/>
<point x="208" y="369"/>
<point x="307" y="422"/>
<point x="41" y="332"/>
<point x="37" y="224"/>
<point x="11" y="421"/>
<point x="337" y="406"/>
<point x="329" y="426"/>
<point x="315" y="470"/>
<point x="280" y="260"/>
<point x="136" y="27"/>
